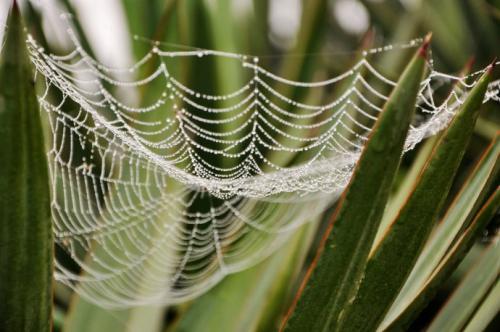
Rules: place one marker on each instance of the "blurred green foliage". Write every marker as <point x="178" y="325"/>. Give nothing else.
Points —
<point x="461" y="28"/>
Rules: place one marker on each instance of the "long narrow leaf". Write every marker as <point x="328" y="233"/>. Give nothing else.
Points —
<point x="336" y="272"/>
<point x="460" y="213"/>
<point x="394" y="258"/>
<point x="459" y="308"/>
<point x="26" y="248"/>
<point x="486" y="312"/>
<point x="411" y="177"/>
<point x="447" y="266"/>
<point x="408" y="182"/>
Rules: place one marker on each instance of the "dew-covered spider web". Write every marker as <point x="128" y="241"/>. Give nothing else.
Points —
<point x="154" y="202"/>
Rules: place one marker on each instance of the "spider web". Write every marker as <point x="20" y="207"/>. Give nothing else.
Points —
<point x="154" y="204"/>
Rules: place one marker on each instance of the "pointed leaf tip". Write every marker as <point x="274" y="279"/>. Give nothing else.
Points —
<point x="337" y="270"/>
<point x="15" y="7"/>
<point x="25" y="233"/>
<point x="368" y="38"/>
<point x="425" y="45"/>
<point x="492" y="66"/>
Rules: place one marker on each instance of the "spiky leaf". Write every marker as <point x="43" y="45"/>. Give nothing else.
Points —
<point x="336" y="272"/>
<point x="26" y="247"/>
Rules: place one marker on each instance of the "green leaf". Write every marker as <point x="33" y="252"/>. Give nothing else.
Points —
<point x="411" y="177"/>
<point x="300" y="68"/>
<point x="384" y="13"/>
<point x="451" y="31"/>
<point x="453" y="257"/>
<point x="406" y="186"/>
<point x="333" y="278"/>
<point x="259" y="26"/>
<point x="459" y="214"/>
<point x="143" y="21"/>
<point x="309" y="38"/>
<point x="486" y="312"/>
<point x="393" y="260"/>
<point x="461" y="305"/>
<point x="219" y="14"/>
<point x="487" y="129"/>
<point x="25" y="230"/>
